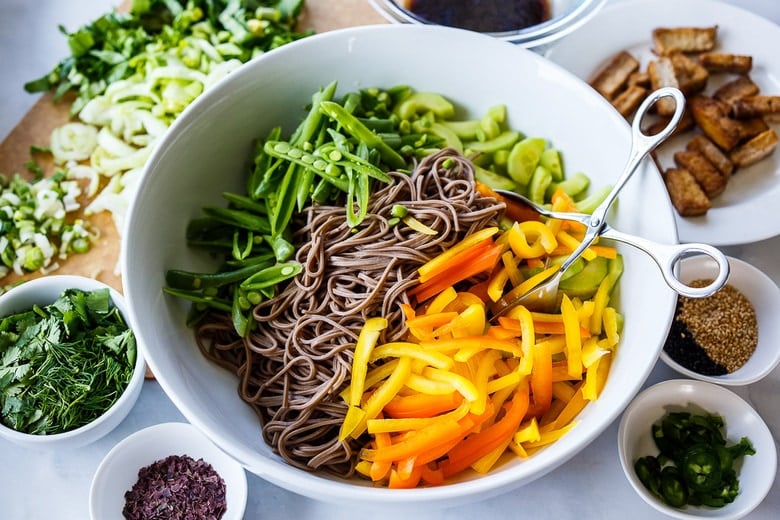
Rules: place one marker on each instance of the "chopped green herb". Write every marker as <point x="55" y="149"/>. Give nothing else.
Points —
<point x="63" y="365"/>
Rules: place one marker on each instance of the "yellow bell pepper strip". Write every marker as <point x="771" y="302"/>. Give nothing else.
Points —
<point x="382" y="395"/>
<point x="399" y="349"/>
<point x="422" y="405"/>
<point x="441" y="301"/>
<point x="611" y="326"/>
<point x="483" y="442"/>
<point x="367" y="339"/>
<point x="469" y="322"/>
<point x="471" y="343"/>
<point x="486" y="463"/>
<point x="427" y="386"/>
<point x="374" y="376"/>
<point x="562" y="390"/>
<point x="571" y="243"/>
<point x="528" y="432"/>
<point x="484" y="371"/>
<point x="590" y="386"/>
<point x="442" y="263"/>
<point x="510" y="266"/>
<point x="465" y="387"/>
<point x="575" y="405"/>
<point x="573" y="338"/>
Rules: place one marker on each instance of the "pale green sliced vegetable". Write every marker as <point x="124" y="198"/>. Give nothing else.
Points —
<point x="524" y="158"/>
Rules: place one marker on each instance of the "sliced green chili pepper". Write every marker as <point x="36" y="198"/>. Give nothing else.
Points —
<point x="701" y="468"/>
<point x="673" y="489"/>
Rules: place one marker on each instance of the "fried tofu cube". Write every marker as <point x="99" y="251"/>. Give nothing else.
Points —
<point x="684" y="39"/>
<point x="686" y="123"/>
<point x="691" y="75"/>
<point x="629" y="100"/>
<point x="702" y="144"/>
<point x="739" y="87"/>
<point x="685" y="193"/>
<point x="754" y="150"/>
<point x="662" y="74"/>
<point x="613" y="77"/>
<point x="712" y="182"/>
<point x="754" y="106"/>
<point x="640" y="78"/>
<point x="726" y="62"/>
<point x="711" y="116"/>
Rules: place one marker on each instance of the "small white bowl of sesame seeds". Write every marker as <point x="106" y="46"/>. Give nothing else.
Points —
<point x="729" y="338"/>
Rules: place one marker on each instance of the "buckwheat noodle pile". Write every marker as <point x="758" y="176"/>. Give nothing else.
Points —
<point x="298" y="357"/>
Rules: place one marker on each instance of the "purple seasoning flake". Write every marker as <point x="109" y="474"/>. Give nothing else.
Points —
<point x="176" y="487"/>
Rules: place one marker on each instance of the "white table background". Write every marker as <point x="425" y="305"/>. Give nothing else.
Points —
<point x="40" y="484"/>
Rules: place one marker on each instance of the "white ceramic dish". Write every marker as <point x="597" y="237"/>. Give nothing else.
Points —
<point x="753" y="195"/>
<point x="566" y="16"/>
<point x="757" y="472"/>
<point x="43" y="291"/>
<point x="118" y="472"/>
<point x="764" y="294"/>
<point x="215" y="135"/>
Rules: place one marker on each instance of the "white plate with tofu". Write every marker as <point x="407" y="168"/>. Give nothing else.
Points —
<point x="716" y="203"/>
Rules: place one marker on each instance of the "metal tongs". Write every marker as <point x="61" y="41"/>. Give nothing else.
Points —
<point x="544" y="297"/>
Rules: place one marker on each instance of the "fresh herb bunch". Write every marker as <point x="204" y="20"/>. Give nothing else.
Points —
<point x="63" y="365"/>
<point x="119" y="45"/>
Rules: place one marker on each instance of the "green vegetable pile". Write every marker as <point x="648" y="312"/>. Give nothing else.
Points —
<point x="63" y="365"/>
<point x="342" y="147"/>
<point x="695" y="465"/>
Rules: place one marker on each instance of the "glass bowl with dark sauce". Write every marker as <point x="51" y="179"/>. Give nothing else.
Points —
<point x="529" y="23"/>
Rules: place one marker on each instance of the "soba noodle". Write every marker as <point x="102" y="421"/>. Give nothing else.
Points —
<point x="298" y="357"/>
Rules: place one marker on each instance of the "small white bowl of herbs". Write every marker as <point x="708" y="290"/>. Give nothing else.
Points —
<point x="70" y="368"/>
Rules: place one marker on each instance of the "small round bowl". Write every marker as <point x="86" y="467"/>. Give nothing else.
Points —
<point x="118" y="472"/>
<point x="756" y="473"/>
<point x="565" y="17"/>
<point x="44" y="291"/>
<point x="764" y="294"/>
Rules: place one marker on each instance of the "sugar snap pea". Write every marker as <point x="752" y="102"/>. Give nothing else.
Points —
<point x="271" y="276"/>
<point x="178" y="279"/>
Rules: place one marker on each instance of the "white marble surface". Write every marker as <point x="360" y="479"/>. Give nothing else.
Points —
<point x="39" y="484"/>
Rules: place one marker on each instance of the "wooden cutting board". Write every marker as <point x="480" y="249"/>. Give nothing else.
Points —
<point x="36" y="126"/>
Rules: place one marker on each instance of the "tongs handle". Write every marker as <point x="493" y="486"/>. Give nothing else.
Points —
<point x="641" y="145"/>
<point x="668" y="256"/>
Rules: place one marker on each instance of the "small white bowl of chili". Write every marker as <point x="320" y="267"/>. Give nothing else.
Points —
<point x="66" y="405"/>
<point x="730" y="338"/>
<point x="169" y="467"/>
<point x="704" y="402"/>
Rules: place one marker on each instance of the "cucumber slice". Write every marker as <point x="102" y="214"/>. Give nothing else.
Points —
<point x="494" y="180"/>
<point x="524" y="158"/>
<point x="574" y="186"/>
<point x="585" y="283"/>
<point x="540" y="180"/>
<point x="504" y="140"/>
<point x="551" y="159"/>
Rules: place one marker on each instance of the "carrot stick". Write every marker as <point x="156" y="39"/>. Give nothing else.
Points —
<point x="484" y="260"/>
<point x="480" y="444"/>
<point x="422" y="405"/>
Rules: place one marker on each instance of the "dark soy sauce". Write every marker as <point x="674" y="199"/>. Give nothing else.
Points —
<point x="481" y="15"/>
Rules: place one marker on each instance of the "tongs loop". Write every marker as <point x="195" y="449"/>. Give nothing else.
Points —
<point x="544" y="295"/>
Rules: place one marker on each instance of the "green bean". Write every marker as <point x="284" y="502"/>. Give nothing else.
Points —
<point x="239" y="218"/>
<point x="197" y="297"/>
<point x="319" y="165"/>
<point x="271" y="276"/>
<point x="311" y="124"/>
<point x="244" y="202"/>
<point x="178" y="279"/>
<point x="281" y="246"/>
<point x="358" y="130"/>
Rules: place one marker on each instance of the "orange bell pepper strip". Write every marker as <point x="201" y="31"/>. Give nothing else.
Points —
<point x="481" y="443"/>
<point x="443" y="262"/>
<point x="482" y="259"/>
<point x="421" y="440"/>
<point x="398" y="482"/>
<point x="541" y="379"/>
<point x="422" y="405"/>
<point x="432" y="475"/>
<point x="380" y="470"/>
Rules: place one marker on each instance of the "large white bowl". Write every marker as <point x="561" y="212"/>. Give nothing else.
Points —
<point x="204" y="154"/>
<point x="756" y="473"/>
<point x="44" y="291"/>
